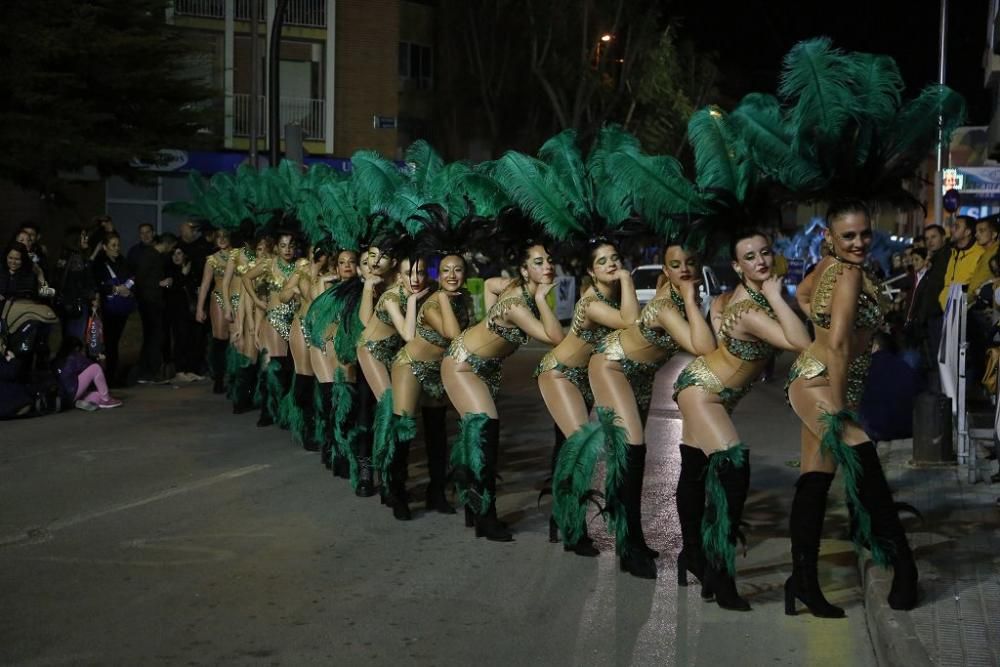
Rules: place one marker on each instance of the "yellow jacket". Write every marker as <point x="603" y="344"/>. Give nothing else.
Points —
<point x="961" y="266"/>
<point x="982" y="272"/>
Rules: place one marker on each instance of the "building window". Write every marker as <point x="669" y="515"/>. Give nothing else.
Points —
<point x="416" y="66"/>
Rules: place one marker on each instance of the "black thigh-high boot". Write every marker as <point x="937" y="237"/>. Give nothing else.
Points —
<point x="585" y="545"/>
<point x="399" y="470"/>
<point x="436" y="447"/>
<point x="219" y="365"/>
<point x="887" y="529"/>
<point x="366" y="416"/>
<point x="488" y="525"/>
<point x="263" y="390"/>
<point x="304" y="386"/>
<point x="690" y="510"/>
<point x="727" y="482"/>
<point x="806" y="528"/>
<point x="285" y="375"/>
<point x="560" y="440"/>
<point x="246" y="382"/>
<point x="633" y="557"/>
<point x="323" y="416"/>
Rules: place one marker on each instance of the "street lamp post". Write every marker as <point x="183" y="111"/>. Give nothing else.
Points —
<point x="938" y="185"/>
<point x="274" y="82"/>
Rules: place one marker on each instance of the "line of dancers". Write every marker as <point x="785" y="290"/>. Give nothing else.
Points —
<point x="349" y="344"/>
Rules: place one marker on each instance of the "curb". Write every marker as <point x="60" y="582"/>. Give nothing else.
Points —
<point x="892" y="633"/>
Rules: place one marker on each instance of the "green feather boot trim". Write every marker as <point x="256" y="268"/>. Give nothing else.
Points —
<point x="571" y="480"/>
<point x="467" y="463"/>
<point x="405" y="429"/>
<point x="236" y="385"/>
<point x="343" y="401"/>
<point x="291" y="414"/>
<point x="321" y="416"/>
<point x="716" y="528"/>
<point x="258" y="391"/>
<point x="616" y="458"/>
<point x="833" y="443"/>
<point x="275" y="391"/>
<point x="384" y="445"/>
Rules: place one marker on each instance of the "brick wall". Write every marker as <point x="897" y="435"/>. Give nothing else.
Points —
<point x="367" y="74"/>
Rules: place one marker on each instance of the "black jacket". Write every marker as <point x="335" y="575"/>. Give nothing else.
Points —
<point x="22" y="284"/>
<point x="146" y="264"/>
<point x="925" y="299"/>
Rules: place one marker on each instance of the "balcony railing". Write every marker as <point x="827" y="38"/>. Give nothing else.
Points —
<point x="308" y="13"/>
<point x="307" y="112"/>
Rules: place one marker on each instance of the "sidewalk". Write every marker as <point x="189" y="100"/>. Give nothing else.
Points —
<point x="958" y="554"/>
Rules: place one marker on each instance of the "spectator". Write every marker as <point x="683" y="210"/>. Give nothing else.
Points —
<point x="18" y="280"/>
<point x="28" y="234"/>
<point x="101" y="226"/>
<point x="964" y="257"/>
<point x="925" y="312"/>
<point x="76" y="282"/>
<point x="181" y="297"/>
<point x="81" y="379"/>
<point x="986" y="238"/>
<point x="115" y="282"/>
<point x="194" y="246"/>
<point x="146" y="265"/>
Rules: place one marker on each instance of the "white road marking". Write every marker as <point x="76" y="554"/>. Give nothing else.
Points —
<point x="30" y="535"/>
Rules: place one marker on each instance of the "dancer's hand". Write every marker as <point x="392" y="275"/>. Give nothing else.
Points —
<point x="689" y="290"/>
<point x="543" y="290"/>
<point x="771" y="288"/>
<point x="200" y="316"/>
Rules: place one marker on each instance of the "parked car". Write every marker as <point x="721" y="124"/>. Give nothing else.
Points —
<point x="646" y="276"/>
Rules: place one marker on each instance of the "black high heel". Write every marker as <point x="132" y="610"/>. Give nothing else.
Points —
<point x="806" y="529"/>
<point x="685" y="564"/>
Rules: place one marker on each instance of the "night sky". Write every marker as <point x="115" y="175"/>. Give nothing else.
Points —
<point x="751" y="38"/>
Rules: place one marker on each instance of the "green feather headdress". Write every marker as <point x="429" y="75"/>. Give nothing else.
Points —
<point x="839" y="128"/>
<point x="725" y="197"/>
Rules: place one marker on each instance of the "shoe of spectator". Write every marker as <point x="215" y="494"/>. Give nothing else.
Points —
<point x="108" y="403"/>
<point x="85" y="405"/>
<point x="194" y="377"/>
<point x="146" y="379"/>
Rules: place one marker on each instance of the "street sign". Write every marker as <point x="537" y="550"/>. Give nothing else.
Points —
<point x="952" y="179"/>
<point x="952" y="200"/>
<point x="384" y="122"/>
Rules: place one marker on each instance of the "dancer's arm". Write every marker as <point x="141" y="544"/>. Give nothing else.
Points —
<point x="443" y="319"/>
<point x="206" y="285"/>
<point x="367" y="308"/>
<point x="843" y="310"/>
<point x="546" y="327"/>
<point x="227" y="309"/>
<point x="622" y="317"/>
<point x="406" y="325"/>
<point x="493" y="288"/>
<point x="693" y="334"/>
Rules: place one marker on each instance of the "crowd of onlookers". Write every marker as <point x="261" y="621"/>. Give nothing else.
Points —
<point x="88" y="294"/>
<point x="921" y="279"/>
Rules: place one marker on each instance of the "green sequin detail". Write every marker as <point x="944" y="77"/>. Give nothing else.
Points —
<point x="730" y="397"/>
<point x="385" y="349"/>
<point x="280" y="317"/>
<point x="640" y="376"/>
<point x="428" y="374"/>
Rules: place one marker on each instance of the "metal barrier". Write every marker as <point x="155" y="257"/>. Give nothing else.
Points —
<point x="951" y="364"/>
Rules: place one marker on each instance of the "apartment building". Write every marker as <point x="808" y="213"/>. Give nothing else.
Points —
<point x="353" y="74"/>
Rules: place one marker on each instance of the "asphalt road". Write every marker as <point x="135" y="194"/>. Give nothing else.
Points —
<point x="170" y="532"/>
